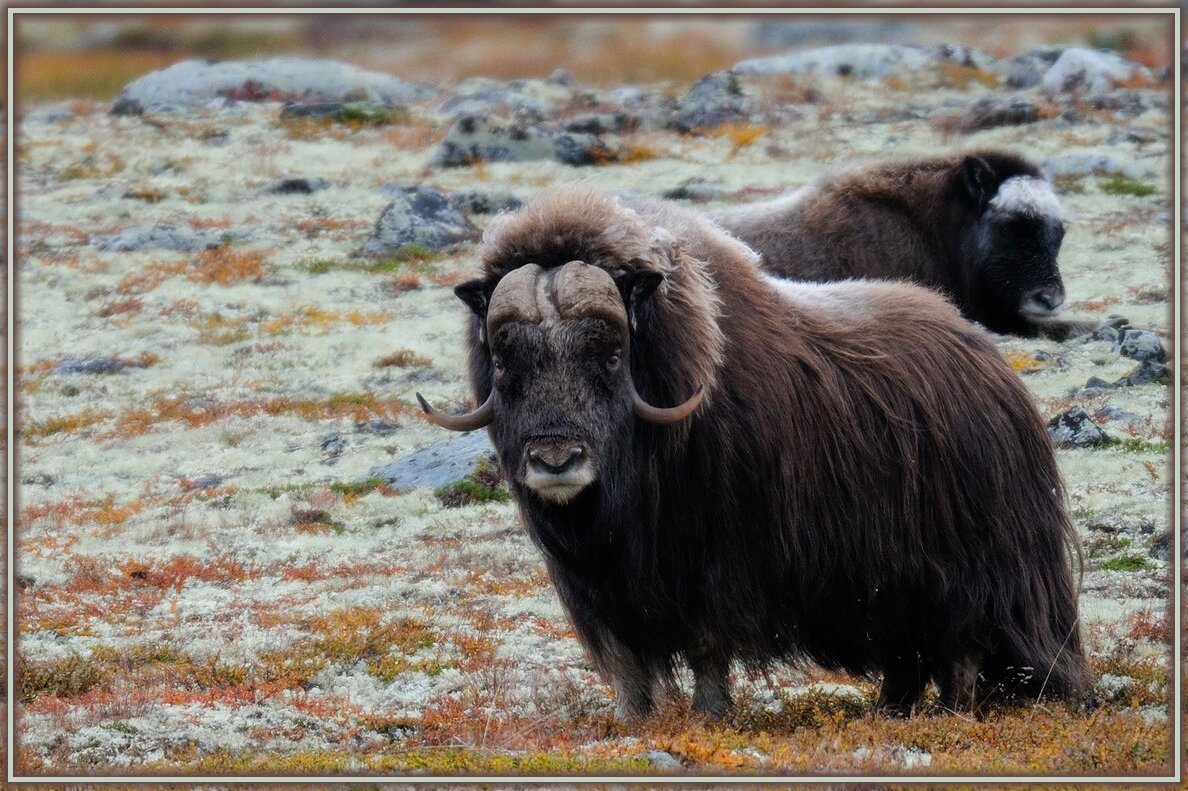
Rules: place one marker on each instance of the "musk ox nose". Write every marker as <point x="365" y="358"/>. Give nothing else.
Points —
<point x="1044" y="301"/>
<point x="555" y="461"/>
<point x="556" y="469"/>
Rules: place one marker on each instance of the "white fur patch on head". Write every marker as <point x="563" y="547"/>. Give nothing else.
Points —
<point x="1026" y="196"/>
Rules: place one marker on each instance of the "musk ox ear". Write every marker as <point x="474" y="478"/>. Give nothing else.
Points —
<point x="978" y="179"/>
<point x="637" y="288"/>
<point x="477" y="294"/>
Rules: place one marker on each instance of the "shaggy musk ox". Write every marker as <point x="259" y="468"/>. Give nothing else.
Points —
<point x="984" y="228"/>
<point x="718" y="465"/>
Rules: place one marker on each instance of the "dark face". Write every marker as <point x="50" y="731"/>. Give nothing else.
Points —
<point x="563" y="403"/>
<point x="1014" y="247"/>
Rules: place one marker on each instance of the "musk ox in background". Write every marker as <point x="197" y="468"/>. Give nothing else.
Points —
<point x="850" y="474"/>
<point x="984" y="228"/>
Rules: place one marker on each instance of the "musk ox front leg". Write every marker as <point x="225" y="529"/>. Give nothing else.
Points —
<point x="904" y="679"/>
<point x="634" y="682"/>
<point x="711" y="683"/>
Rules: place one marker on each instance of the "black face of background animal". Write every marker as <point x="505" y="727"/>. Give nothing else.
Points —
<point x="1011" y="249"/>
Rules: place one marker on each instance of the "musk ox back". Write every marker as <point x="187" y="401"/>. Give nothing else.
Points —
<point x="984" y="228"/>
<point x="720" y="466"/>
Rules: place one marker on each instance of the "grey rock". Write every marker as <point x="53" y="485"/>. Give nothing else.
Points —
<point x="90" y="365"/>
<point x="1090" y="70"/>
<point x="580" y="149"/>
<point x="497" y="101"/>
<point x="476" y="139"/>
<point x="1140" y="345"/>
<point x="662" y="759"/>
<point x="960" y="55"/>
<point x="559" y="77"/>
<point x="1114" y="413"/>
<point x="1160" y="547"/>
<point x="1104" y="333"/>
<point x="1026" y="69"/>
<point x="70" y="391"/>
<point x="51" y="114"/>
<point x="713" y="100"/>
<point x="1097" y="383"/>
<point x="332" y="447"/>
<point x="990" y="111"/>
<point x="1076" y="429"/>
<point x="160" y="236"/>
<point x="438" y="464"/>
<point x="863" y="61"/>
<point x="1147" y="372"/>
<point x="866" y="61"/>
<point x="696" y="190"/>
<point x="418" y="217"/>
<point x="628" y="96"/>
<point x="602" y="123"/>
<point x="311" y="109"/>
<point x="192" y="84"/>
<point x="376" y="426"/>
<point x="207" y="481"/>
<point x="296" y="185"/>
<point x="802" y="32"/>
<point x="480" y="202"/>
<point x="1087" y="164"/>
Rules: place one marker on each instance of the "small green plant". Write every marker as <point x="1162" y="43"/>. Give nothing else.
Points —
<point x="1118" y="184"/>
<point x="483" y="484"/>
<point x="358" y="488"/>
<point x="1127" y="562"/>
<point x="1070" y="183"/>
<point x="1138" y="445"/>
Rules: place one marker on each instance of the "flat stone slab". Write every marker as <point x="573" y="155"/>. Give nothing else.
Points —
<point x="437" y="464"/>
<point x="193" y="84"/>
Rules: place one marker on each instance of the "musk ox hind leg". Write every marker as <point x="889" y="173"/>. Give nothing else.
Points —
<point x="904" y="679"/>
<point x="959" y="686"/>
<point x="711" y="683"/>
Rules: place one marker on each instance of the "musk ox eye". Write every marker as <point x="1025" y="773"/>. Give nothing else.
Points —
<point x="497" y="364"/>
<point x="614" y="361"/>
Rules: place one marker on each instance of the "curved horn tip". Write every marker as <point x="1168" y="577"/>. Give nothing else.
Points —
<point x="667" y="415"/>
<point x="479" y="418"/>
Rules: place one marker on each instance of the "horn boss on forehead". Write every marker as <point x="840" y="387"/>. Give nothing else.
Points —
<point x="576" y="290"/>
<point x="514" y="299"/>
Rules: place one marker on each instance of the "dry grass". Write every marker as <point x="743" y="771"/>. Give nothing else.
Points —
<point x="224" y="266"/>
<point x="403" y="358"/>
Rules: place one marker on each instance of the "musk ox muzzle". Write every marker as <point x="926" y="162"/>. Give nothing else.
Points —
<point x="574" y="291"/>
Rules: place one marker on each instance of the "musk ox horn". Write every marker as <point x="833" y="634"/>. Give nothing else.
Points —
<point x="469" y="422"/>
<point x="663" y="416"/>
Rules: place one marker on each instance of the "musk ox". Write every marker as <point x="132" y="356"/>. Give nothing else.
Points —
<point x="851" y="473"/>
<point x="984" y="228"/>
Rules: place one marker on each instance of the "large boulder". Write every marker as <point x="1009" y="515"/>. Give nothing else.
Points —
<point x="866" y="61"/>
<point x="474" y="139"/>
<point x="417" y="217"/>
<point x="192" y="84"/>
<point x="1093" y="71"/>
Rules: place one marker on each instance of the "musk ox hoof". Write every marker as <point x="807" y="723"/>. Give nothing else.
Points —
<point x="714" y="708"/>
<point x="630" y="714"/>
